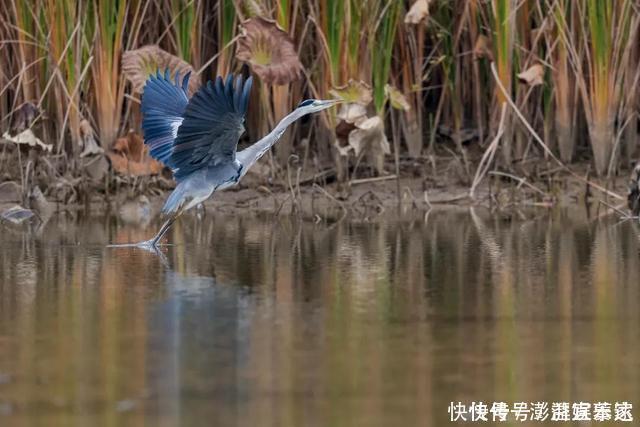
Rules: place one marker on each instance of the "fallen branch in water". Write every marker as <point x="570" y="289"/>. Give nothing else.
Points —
<point x="375" y="179"/>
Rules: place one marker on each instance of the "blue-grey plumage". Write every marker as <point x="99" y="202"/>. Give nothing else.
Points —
<point x="163" y="107"/>
<point x="198" y="137"/>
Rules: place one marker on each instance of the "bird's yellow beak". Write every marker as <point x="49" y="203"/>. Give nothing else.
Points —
<point x="327" y="103"/>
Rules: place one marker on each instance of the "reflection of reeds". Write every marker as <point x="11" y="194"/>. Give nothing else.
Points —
<point x="379" y="323"/>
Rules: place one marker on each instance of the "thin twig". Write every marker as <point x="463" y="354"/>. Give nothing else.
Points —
<point x="489" y="154"/>
<point x="541" y="142"/>
<point x="329" y="196"/>
<point x="375" y="179"/>
<point x="522" y="181"/>
<point x="618" y="210"/>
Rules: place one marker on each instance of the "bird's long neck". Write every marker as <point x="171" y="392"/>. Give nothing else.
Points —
<point x="251" y="154"/>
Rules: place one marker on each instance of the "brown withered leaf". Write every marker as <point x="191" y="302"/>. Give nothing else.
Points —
<point x="87" y="136"/>
<point x="355" y="91"/>
<point x="124" y="166"/>
<point x="352" y="112"/>
<point x="131" y="146"/>
<point x="343" y="129"/>
<point x="129" y="156"/>
<point x="396" y="98"/>
<point x="482" y="48"/>
<point x="369" y="135"/>
<point x="139" y="64"/>
<point x="369" y="139"/>
<point x="533" y="75"/>
<point x="27" y="137"/>
<point x="419" y="12"/>
<point x="269" y="51"/>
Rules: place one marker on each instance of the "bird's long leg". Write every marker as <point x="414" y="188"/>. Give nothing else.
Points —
<point x="151" y="243"/>
<point x="165" y="227"/>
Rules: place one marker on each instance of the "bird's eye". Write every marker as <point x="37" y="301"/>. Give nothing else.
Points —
<point x="305" y="103"/>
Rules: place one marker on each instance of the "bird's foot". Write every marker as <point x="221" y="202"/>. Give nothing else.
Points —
<point x="152" y="244"/>
<point x="148" y="246"/>
<point x="145" y="244"/>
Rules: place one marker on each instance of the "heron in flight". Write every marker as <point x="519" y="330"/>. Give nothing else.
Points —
<point x="198" y="137"/>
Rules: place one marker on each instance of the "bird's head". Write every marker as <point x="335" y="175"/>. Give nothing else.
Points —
<point x="314" y="105"/>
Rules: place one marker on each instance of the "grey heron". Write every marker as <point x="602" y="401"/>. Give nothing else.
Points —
<point x="197" y="137"/>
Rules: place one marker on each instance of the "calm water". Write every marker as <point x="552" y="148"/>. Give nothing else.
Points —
<point x="255" y="321"/>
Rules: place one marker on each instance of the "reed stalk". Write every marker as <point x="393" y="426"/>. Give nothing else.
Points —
<point x="503" y="25"/>
<point x="69" y="54"/>
<point x="110" y="19"/>
<point x="411" y="47"/>
<point x="227" y="22"/>
<point x="64" y="56"/>
<point x="564" y="83"/>
<point x="382" y="42"/>
<point x="603" y="47"/>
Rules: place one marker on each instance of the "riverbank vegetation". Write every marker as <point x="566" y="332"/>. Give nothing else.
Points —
<point x="500" y="89"/>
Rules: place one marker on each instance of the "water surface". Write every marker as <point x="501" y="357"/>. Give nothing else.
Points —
<point x="260" y="321"/>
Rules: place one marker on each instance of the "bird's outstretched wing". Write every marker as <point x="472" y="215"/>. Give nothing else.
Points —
<point x="163" y="106"/>
<point x="212" y="125"/>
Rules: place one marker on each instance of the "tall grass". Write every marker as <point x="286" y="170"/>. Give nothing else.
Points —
<point x="108" y="87"/>
<point x="600" y="39"/>
<point x="411" y="57"/>
<point x="503" y="26"/>
<point x="610" y="26"/>
<point x="563" y="81"/>
<point x="227" y="21"/>
<point x="64" y="56"/>
<point x="69" y="59"/>
<point x="381" y="50"/>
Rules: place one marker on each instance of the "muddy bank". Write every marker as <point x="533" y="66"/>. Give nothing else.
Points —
<point x="46" y="185"/>
<point x="366" y="197"/>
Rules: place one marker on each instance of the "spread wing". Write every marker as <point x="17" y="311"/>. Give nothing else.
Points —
<point x="212" y="125"/>
<point x="163" y="105"/>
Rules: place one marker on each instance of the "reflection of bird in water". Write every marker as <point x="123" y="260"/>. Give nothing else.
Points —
<point x="136" y="211"/>
<point x="198" y="137"/>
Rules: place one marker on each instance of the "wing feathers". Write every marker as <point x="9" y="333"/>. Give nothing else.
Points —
<point x="244" y="99"/>
<point x="238" y="93"/>
<point x="163" y="105"/>
<point x="188" y="134"/>
<point x="213" y="123"/>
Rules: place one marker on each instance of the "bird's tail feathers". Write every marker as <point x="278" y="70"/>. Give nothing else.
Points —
<point x="175" y="203"/>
